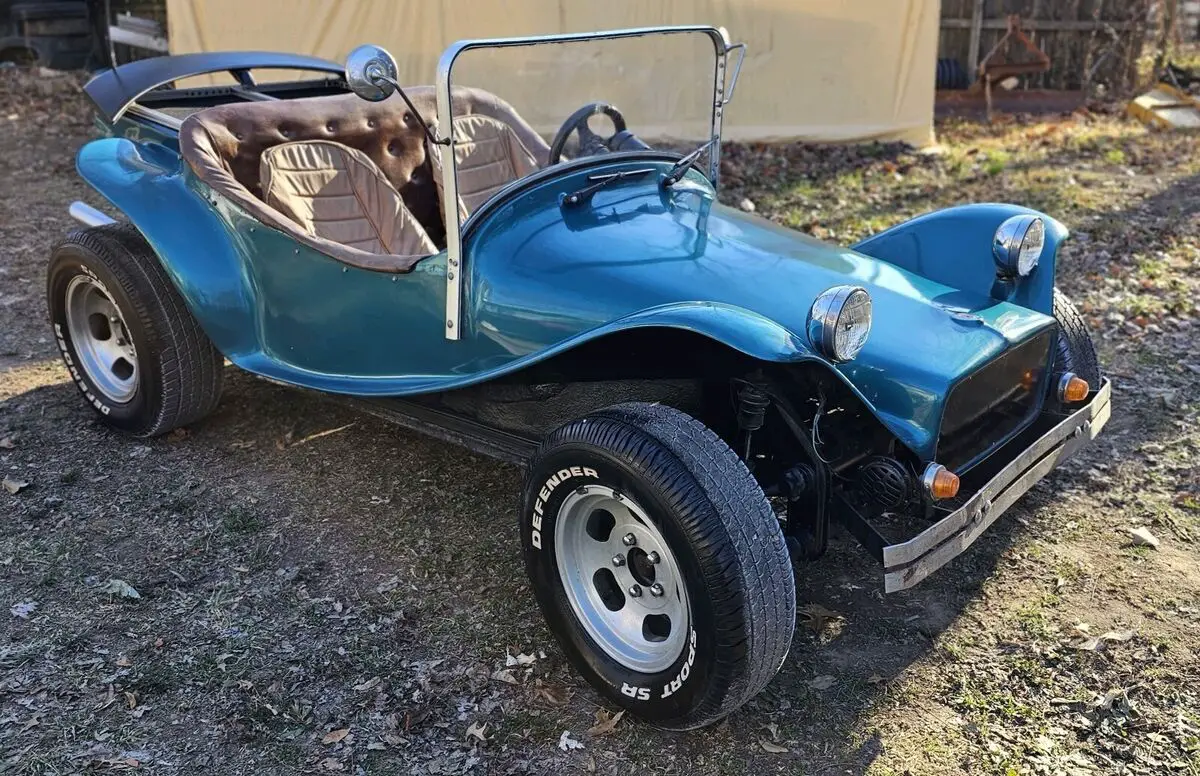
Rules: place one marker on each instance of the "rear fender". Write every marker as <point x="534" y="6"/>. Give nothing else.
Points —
<point x="954" y="247"/>
<point x="149" y="183"/>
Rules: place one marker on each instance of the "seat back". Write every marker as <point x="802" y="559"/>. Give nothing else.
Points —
<point x="488" y="155"/>
<point x="224" y="146"/>
<point x="337" y="193"/>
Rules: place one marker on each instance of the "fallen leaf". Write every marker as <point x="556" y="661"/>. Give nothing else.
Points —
<point x="333" y="736"/>
<point x="1141" y="537"/>
<point x="555" y="695"/>
<point x="505" y="675"/>
<point x="772" y="747"/>
<point x="520" y="660"/>
<point x="1124" y="635"/>
<point x="605" y="722"/>
<point x="367" y="685"/>
<point x="823" y="682"/>
<point x="7" y="443"/>
<point x="332" y="764"/>
<point x="566" y="743"/>
<point x="120" y="588"/>
<point x="477" y="730"/>
<point x="13" y="485"/>
<point x="818" y="616"/>
<point x="23" y="609"/>
<point x="875" y="679"/>
<point x="1109" y="698"/>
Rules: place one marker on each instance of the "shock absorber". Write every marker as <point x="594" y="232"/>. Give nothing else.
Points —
<point x="752" y="408"/>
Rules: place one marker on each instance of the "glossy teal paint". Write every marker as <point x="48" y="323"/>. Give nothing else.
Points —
<point x="542" y="278"/>
<point x="538" y="271"/>
<point x="954" y="247"/>
<point x="273" y="306"/>
<point x="147" y="182"/>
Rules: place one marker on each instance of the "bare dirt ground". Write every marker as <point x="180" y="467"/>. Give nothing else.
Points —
<point x="253" y="595"/>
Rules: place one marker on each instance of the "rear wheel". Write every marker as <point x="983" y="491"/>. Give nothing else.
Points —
<point x="658" y="563"/>
<point x="129" y="341"/>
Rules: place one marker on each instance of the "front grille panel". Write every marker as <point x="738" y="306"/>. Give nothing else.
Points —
<point x="985" y="408"/>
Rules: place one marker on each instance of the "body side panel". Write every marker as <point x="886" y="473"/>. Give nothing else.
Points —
<point x="284" y="311"/>
<point x="542" y="278"/>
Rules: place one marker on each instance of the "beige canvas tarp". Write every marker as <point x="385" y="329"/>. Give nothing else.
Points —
<point x="820" y="70"/>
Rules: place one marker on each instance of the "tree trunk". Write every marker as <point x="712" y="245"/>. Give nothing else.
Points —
<point x="1170" y="12"/>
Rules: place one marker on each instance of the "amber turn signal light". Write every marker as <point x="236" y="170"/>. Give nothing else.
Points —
<point x="940" y="482"/>
<point x="1072" y="389"/>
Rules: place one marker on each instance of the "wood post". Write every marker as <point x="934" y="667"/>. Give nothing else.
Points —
<point x="976" y="30"/>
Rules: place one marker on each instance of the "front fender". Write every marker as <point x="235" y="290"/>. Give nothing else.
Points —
<point x="765" y="340"/>
<point x="148" y="183"/>
<point x="954" y="247"/>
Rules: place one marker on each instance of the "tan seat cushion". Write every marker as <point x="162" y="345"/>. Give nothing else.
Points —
<point x="489" y="155"/>
<point x="337" y="193"/>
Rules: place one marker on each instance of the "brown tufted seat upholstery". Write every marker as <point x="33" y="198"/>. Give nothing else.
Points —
<point x="224" y="145"/>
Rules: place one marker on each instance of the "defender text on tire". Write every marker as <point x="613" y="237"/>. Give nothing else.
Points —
<point x="658" y="563"/>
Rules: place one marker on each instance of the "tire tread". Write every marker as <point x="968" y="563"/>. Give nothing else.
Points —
<point x="1075" y="350"/>
<point x="191" y="369"/>
<point x="730" y="522"/>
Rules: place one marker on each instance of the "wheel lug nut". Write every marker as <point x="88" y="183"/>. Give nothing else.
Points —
<point x="635" y="591"/>
<point x="618" y="560"/>
<point x="653" y="557"/>
<point x="656" y="590"/>
<point x="629" y="540"/>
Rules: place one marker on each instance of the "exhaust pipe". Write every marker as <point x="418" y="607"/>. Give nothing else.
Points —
<point x="88" y="215"/>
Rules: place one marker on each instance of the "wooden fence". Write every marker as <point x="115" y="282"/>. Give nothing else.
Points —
<point x="1089" y="42"/>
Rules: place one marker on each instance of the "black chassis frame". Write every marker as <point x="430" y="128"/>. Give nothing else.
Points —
<point x="777" y="443"/>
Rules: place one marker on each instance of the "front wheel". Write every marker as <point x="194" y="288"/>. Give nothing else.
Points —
<point x="1074" y="349"/>
<point x="126" y="335"/>
<point x="658" y="564"/>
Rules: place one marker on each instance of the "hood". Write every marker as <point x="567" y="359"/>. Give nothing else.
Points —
<point x="541" y="271"/>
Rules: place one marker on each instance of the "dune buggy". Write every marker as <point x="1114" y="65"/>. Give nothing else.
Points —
<point x="697" y="394"/>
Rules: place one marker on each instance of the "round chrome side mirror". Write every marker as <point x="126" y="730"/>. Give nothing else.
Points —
<point x="371" y="72"/>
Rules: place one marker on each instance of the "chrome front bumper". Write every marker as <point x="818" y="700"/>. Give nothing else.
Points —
<point x="907" y="563"/>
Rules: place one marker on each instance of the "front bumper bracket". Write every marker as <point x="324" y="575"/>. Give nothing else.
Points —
<point x="907" y="563"/>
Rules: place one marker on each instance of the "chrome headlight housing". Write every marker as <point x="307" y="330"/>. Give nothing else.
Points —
<point x="839" y="322"/>
<point x="1017" y="246"/>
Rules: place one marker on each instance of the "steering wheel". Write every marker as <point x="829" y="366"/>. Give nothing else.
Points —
<point x="589" y="142"/>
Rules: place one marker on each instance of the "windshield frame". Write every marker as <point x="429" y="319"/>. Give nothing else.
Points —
<point x="454" y="225"/>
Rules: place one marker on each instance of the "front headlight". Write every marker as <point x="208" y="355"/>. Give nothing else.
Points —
<point x="839" y="322"/>
<point x="1018" y="244"/>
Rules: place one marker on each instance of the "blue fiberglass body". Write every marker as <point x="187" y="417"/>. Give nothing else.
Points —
<point x="542" y="277"/>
